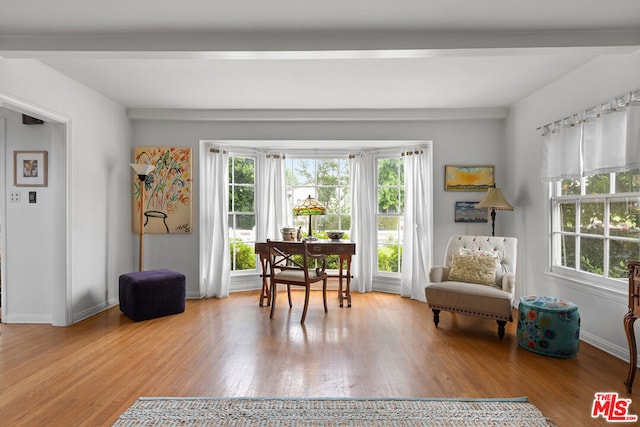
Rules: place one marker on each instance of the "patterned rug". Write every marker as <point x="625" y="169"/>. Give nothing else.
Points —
<point x="161" y="411"/>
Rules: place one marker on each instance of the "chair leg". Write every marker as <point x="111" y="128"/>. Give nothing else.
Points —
<point x="289" y="295"/>
<point x="324" y="293"/>
<point x="274" y="291"/>
<point x="306" y="303"/>
<point x="436" y="316"/>
<point x="501" y="325"/>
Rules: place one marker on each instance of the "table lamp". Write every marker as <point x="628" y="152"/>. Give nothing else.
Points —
<point x="309" y="206"/>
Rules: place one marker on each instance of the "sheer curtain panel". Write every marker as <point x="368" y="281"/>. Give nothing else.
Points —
<point x="270" y="196"/>
<point x="363" y="219"/>
<point x="215" y="259"/>
<point x="561" y="142"/>
<point x="418" y="222"/>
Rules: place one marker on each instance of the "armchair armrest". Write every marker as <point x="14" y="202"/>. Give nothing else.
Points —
<point x="439" y="273"/>
<point x="508" y="282"/>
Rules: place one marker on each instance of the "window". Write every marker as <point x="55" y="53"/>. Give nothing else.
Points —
<point x="390" y="213"/>
<point x="242" y="215"/>
<point x="595" y="225"/>
<point x="328" y="181"/>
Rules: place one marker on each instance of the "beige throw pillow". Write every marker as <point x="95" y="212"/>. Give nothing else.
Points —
<point x="473" y="269"/>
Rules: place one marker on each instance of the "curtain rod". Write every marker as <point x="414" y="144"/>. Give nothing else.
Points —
<point x="586" y="109"/>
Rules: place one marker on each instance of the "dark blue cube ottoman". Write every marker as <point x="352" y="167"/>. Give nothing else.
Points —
<point x="152" y="293"/>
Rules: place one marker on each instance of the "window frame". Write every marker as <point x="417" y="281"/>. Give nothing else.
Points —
<point x="243" y="155"/>
<point x="556" y="199"/>
<point x="400" y="217"/>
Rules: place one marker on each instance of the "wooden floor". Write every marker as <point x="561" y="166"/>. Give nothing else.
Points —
<point x="383" y="346"/>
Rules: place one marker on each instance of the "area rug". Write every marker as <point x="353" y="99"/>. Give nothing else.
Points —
<point x="164" y="411"/>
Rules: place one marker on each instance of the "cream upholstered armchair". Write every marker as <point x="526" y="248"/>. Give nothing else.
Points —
<point x="477" y="278"/>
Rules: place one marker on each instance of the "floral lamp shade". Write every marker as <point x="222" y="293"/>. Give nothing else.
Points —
<point x="309" y="206"/>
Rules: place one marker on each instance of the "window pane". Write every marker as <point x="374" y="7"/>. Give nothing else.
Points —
<point x="389" y="258"/>
<point x="597" y="184"/>
<point x="345" y="223"/>
<point x="242" y="255"/>
<point x="623" y="217"/>
<point x="592" y="217"/>
<point x="390" y="172"/>
<point x="592" y="255"/>
<point x="388" y="200"/>
<point x="328" y="171"/>
<point x="243" y="199"/>
<point x="567" y="250"/>
<point x="570" y="187"/>
<point x="568" y="216"/>
<point x="619" y="254"/>
<point x="243" y="170"/>
<point x="387" y="225"/>
<point x="628" y="182"/>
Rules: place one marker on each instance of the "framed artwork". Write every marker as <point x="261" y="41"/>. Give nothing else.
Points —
<point x="467" y="212"/>
<point x="30" y="169"/>
<point x="468" y="178"/>
<point x="167" y="192"/>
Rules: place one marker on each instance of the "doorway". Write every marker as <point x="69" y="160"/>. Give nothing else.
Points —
<point x="33" y="255"/>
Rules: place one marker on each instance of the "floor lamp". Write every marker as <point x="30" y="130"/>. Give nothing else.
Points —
<point x="494" y="200"/>
<point x="309" y="206"/>
<point x="142" y="170"/>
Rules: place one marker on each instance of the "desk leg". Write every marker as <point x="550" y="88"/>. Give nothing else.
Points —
<point x="265" y="294"/>
<point x="629" y="318"/>
<point x="345" y="293"/>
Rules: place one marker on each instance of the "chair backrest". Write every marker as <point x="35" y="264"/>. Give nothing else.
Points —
<point x="283" y="254"/>
<point x="293" y="256"/>
<point x="505" y="247"/>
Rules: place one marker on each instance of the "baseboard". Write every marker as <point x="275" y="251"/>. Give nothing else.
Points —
<point x="92" y="311"/>
<point x="28" y="318"/>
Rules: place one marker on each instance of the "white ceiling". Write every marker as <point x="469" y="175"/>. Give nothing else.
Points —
<point x="294" y="54"/>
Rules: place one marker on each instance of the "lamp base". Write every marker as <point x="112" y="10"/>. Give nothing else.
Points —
<point x="310" y="239"/>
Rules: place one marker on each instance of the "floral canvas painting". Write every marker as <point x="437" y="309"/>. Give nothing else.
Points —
<point x="167" y="190"/>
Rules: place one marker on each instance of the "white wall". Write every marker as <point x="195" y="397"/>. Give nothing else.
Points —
<point x="32" y="238"/>
<point x="454" y="142"/>
<point x="601" y="310"/>
<point x="95" y="133"/>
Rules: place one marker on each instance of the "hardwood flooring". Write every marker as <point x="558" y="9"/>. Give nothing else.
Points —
<point x="383" y="346"/>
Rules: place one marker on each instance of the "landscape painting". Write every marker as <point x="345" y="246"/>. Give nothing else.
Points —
<point x="467" y="212"/>
<point x="167" y="190"/>
<point x="468" y="178"/>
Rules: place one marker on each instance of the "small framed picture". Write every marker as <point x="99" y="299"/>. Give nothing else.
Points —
<point x="467" y="212"/>
<point x="30" y="169"/>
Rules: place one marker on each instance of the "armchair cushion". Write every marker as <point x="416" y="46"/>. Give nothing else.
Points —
<point x="473" y="269"/>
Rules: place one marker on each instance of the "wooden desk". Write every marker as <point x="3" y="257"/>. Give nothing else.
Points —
<point x="345" y="250"/>
<point x="630" y="317"/>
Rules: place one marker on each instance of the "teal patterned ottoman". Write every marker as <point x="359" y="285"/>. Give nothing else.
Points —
<point x="549" y="326"/>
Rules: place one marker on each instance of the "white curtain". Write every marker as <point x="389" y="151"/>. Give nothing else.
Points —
<point x="271" y="199"/>
<point x="603" y="139"/>
<point x="215" y="257"/>
<point x="363" y="219"/>
<point x="418" y="222"/>
<point x="561" y="144"/>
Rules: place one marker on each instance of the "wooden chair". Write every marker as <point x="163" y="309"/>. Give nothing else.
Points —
<point x="288" y="264"/>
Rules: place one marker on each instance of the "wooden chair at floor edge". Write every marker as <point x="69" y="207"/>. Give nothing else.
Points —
<point x="288" y="263"/>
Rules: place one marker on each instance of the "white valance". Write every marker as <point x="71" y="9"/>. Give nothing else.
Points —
<point x="602" y="139"/>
